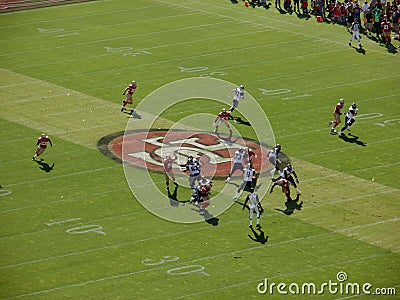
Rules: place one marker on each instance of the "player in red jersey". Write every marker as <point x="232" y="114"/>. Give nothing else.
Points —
<point x="128" y="92"/>
<point x="222" y="118"/>
<point x="336" y="113"/>
<point x="168" y="161"/>
<point x="42" y="145"/>
<point x="284" y="183"/>
<point x="385" y="25"/>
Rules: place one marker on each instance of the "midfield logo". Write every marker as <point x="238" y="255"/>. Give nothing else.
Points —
<point x="147" y="150"/>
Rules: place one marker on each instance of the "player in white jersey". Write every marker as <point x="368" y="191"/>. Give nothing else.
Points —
<point x="247" y="184"/>
<point x="355" y="30"/>
<point x="273" y="157"/>
<point x="237" y="162"/>
<point x="254" y="202"/>
<point x="349" y="119"/>
<point x="238" y="95"/>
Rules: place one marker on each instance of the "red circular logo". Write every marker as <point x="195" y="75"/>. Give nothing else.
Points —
<point x="148" y="149"/>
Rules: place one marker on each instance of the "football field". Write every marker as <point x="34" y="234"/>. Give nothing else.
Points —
<point x="77" y="223"/>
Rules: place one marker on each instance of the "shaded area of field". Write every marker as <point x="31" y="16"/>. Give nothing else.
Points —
<point x="12" y="5"/>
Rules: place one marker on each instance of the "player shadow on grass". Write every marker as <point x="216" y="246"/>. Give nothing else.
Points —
<point x="391" y="49"/>
<point x="133" y="114"/>
<point x="291" y="206"/>
<point x="238" y="120"/>
<point x="300" y="15"/>
<point x="45" y="166"/>
<point x="259" y="236"/>
<point x="359" y="50"/>
<point x="208" y="218"/>
<point x="173" y="198"/>
<point x="353" y="139"/>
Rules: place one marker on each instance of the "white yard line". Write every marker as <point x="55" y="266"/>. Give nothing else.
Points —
<point x="144" y="49"/>
<point x="249" y="249"/>
<point x="343" y="148"/>
<point x="83" y="16"/>
<point x="119" y="244"/>
<point x="62" y="176"/>
<point x="95" y="27"/>
<point x="239" y="13"/>
<point x="62" y="200"/>
<point x="259" y="280"/>
<point x="117" y="38"/>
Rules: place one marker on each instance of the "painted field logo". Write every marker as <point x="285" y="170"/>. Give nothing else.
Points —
<point x="147" y="150"/>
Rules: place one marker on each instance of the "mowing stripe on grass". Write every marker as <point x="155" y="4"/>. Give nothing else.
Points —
<point x="95" y="27"/>
<point x="285" y="25"/>
<point x="118" y="38"/>
<point x="200" y="259"/>
<point x="63" y="176"/>
<point x="278" y="276"/>
<point x="215" y="37"/>
<point x="119" y="244"/>
<point x="82" y="16"/>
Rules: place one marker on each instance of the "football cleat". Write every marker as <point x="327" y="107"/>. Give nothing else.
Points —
<point x="333" y="130"/>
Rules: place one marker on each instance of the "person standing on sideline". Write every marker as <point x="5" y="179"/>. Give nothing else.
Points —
<point x="369" y="22"/>
<point x="386" y="30"/>
<point x="254" y="202"/>
<point x="42" y="145"/>
<point x="238" y="95"/>
<point x="128" y="92"/>
<point x="349" y="119"/>
<point x="377" y="13"/>
<point x="365" y="9"/>
<point x="336" y="113"/>
<point x="355" y="30"/>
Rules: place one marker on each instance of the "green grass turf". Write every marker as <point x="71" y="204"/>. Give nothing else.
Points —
<point x="62" y="72"/>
